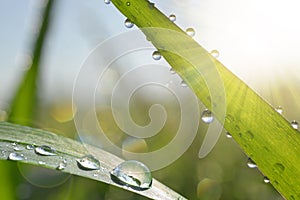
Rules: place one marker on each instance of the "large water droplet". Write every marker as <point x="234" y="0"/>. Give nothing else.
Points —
<point x="133" y="174"/>
<point x="156" y="55"/>
<point x="45" y="150"/>
<point x="266" y="180"/>
<point x="215" y="53"/>
<point x="16" y="156"/>
<point x="228" y="135"/>
<point x="251" y="163"/>
<point x="107" y="1"/>
<point x="88" y="162"/>
<point x="128" y="23"/>
<point x="294" y="124"/>
<point x="279" y="109"/>
<point x="190" y="32"/>
<point x="207" y="116"/>
<point x="172" y="17"/>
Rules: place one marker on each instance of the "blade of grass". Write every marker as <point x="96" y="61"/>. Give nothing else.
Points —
<point x="24" y="101"/>
<point x="69" y="150"/>
<point x="261" y="132"/>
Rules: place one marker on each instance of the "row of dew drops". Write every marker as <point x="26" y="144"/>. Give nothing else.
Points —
<point x="131" y="173"/>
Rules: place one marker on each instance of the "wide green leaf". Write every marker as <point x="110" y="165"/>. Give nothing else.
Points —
<point x="15" y="138"/>
<point x="265" y="135"/>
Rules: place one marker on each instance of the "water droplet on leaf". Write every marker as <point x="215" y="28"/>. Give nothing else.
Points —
<point x="266" y="180"/>
<point x="128" y="23"/>
<point x="16" y="156"/>
<point x="228" y="135"/>
<point x="29" y="147"/>
<point x="190" y="32"/>
<point x="294" y="124"/>
<point x="183" y="84"/>
<point x="156" y="55"/>
<point x="88" y="162"/>
<point x="172" y="71"/>
<point x="61" y="166"/>
<point x="207" y="116"/>
<point x="45" y="150"/>
<point x="172" y="17"/>
<point x="107" y="1"/>
<point x="19" y="148"/>
<point x="128" y="3"/>
<point x="279" y="109"/>
<point x="251" y="163"/>
<point x="215" y="53"/>
<point x="41" y="162"/>
<point x="133" y="174"/>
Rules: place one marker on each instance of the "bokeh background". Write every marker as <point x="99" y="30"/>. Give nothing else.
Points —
<point x="257" y="40"/>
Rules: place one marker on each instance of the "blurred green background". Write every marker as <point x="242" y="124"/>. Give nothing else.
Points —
<point x="259" y="50"/>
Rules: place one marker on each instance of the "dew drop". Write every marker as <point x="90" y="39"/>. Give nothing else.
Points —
<point x="107" y="1"/>
<point x="294" y="124"/>
<point x="156" y="55"/>
<point x="215" y="53"/>
<point x="29" y="147"/>
<point x="128" y="3"/>
<point x="172" y="71"/>
<point x="14" y="144"/>
<point x="278" y="168"/>
<point x="190" y="32"/>
<point x="279" y="109"/>
<point x="61" y="166"/>
<point x="251" y="163"/>
<point x="266" y="180"/>
<point x="133" y="174"/>
<point x="16" y="156"/>
<point x="41" y="162"/>
<point x="172" y="17"/>
<point x="88" y="162"/>
<point x="207" y="116"/>
<point x="183" y="84"/>
<point x="228" y="135"/>
<point x="45" y="150"/>
<point x="19" y="148"/>
<point x="128" y="23"/>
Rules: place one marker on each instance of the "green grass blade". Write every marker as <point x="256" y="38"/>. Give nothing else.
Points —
<point x="261" y="132"/>
<point x="70" y="150"/>
<point x="24" y="102"/>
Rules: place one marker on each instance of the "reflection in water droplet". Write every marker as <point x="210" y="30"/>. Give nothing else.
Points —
<point x="228" y="135"/>
<point x="183" y="84"/>
<point x="172" y="17"/>
<point x="45" y="150"/>
<point x="16" y="156"/>
<point x="215" y="53"/>
<point x="207" y="116"/>
<point x="128" y="3"/>
<point x="107" y="1"/>
<point x="132" y="173"/>
<point x="251" y="163"/>
<point x="156" y="55"/>
<point x="294" y="124"/>
<point x="279" y="109"/>
<point x="61" y="166"/>
<point x="88" y="162"/>
<point x="266" y="180"/>
<point x="128" y="23"/>
<point x="190" y="32"/>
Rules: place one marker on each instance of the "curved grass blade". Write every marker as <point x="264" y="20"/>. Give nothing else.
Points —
<point x="24" y="102"/>
<point x="262" y="133"/>
<point x="67" y="150"/>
